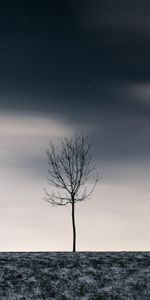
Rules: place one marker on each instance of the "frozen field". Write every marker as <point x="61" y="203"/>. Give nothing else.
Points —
<point x="103" y="275"/>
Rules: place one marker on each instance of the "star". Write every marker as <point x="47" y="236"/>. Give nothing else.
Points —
<point x="140" y="34"/>
<point x="26" y="20"/>
<point x="91" y="86"/>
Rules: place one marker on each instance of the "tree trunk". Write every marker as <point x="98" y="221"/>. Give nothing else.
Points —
<point x="74" y="226"/>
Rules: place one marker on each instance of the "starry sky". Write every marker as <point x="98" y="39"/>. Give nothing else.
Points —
<point x="67" y="65"/>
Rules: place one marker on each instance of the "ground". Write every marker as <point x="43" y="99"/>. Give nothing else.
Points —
<point x="73" y="276"/>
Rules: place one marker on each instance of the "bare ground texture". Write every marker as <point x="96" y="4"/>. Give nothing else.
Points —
<point x="73" y="276"/>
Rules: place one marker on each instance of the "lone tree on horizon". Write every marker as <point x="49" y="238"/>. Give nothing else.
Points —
<point x="69" y="170"/>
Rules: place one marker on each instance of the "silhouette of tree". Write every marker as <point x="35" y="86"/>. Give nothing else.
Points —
<point x="69" y="170"/>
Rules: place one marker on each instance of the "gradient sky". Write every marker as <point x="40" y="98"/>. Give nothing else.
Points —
<point x="67" y="65"/>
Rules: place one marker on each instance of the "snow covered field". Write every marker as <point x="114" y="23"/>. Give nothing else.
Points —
<point x="88" y="275"/>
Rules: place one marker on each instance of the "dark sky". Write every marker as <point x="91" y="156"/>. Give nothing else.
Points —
<point x="87" y="62"/>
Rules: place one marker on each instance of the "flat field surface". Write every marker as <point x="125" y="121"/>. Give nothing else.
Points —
<point x="82" y="275"/>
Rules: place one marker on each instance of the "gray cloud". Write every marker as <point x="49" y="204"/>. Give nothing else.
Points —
<point x="85" y="63"/>
<point x="94" y="14"/>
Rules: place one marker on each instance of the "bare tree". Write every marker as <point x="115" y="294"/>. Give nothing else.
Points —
<point x="69" y="170"/>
